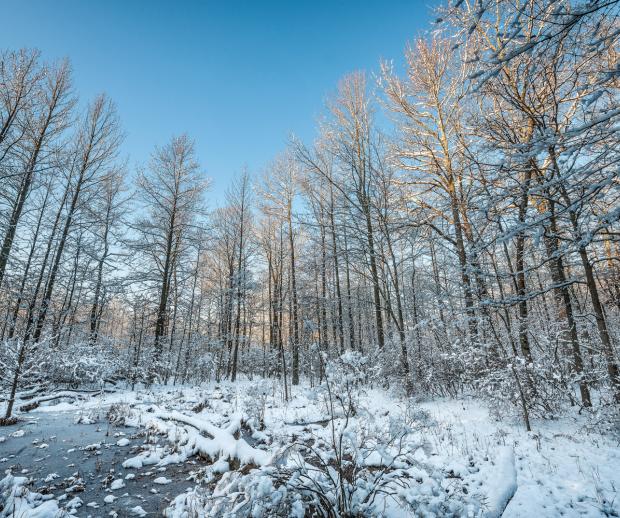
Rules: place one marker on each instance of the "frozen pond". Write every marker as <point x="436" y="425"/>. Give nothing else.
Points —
<point x="70" y="460"/>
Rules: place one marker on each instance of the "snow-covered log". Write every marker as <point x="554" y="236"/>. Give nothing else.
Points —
<point x="503" y="483"/>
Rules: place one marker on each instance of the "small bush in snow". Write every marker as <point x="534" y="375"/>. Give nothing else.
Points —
<point x="81" y="363"/>
<point x="255" y="402"/>
<point x="119" y="413"/>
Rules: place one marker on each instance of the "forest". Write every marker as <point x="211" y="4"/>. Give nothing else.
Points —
<point x="399" y="317"/>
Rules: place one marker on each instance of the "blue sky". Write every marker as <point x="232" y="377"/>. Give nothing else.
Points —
<point x="238" y="76"/>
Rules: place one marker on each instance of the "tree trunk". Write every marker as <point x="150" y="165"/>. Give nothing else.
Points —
<point x="563" y="300"/>
<point x="374" y="274"/>
<point x="295" y="311"/>
<point x="520" y="267"/>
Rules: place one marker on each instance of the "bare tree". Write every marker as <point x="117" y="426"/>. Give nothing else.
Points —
<point x="171" y="191"/>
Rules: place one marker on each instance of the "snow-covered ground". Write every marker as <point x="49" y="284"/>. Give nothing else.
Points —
<point x="226" y="450"/>
<point x="563" y="469"/>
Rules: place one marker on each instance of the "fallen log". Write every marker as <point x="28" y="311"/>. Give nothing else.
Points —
<point x="69" y="393"/>
<point x="26" y="394"/>
<point x="37" y="402"/>
<point x="206" y="439"/>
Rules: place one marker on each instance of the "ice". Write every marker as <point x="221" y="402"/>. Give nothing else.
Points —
<point x="117" y="484"/>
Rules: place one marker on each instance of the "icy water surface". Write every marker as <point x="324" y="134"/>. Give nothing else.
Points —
<point x="72" y="460"/>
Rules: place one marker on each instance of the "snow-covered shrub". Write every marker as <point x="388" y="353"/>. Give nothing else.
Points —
<point x="22" y="364"/>
<point x="137" y="374"/>
<point x="604" y="419"/>
<point x="30" y="361"/>
<point x="191" y="504"/>
<point x="362" y="468"/>
<point x="514" y="387"/>
<point x="255" y="402"/>
<point x="606" y="495"/>
<point x="119" y="413"/>
<point x="82" y="363"/>
<point x="433" y="494"/>
<point x="252" y="361"/>
<point x="202" y="367"/>
<point x="342" y="473"/>
<point x="258" y="494"/>
<point x="346" y="379"/>
<point x="388" y="368"/>
<point x="16" y="500"/>
<point x="272" y="362"/>
<point x="416" y="418"/>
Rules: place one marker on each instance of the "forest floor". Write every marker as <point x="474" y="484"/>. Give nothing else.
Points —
<point x="176" y="451"/>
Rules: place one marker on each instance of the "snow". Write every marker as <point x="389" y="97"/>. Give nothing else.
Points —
<point x="136" y="462"/>
<point x="117" y="484"/>
<point x="18" y="500"/>
<point x="488" y="466"/>
<point x="220" y="466"/>
<point x="502" y="483"/>
<point x="74" y="503"/>
<point x="561" y="469"/>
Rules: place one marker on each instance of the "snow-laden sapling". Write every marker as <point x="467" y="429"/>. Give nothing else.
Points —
<point x="255" y="402"/>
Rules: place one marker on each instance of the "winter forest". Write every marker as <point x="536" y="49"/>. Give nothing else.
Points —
<point x="416" y="313"/>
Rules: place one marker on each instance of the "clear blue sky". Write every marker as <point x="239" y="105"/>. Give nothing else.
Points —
<point x="238" y="76"/>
